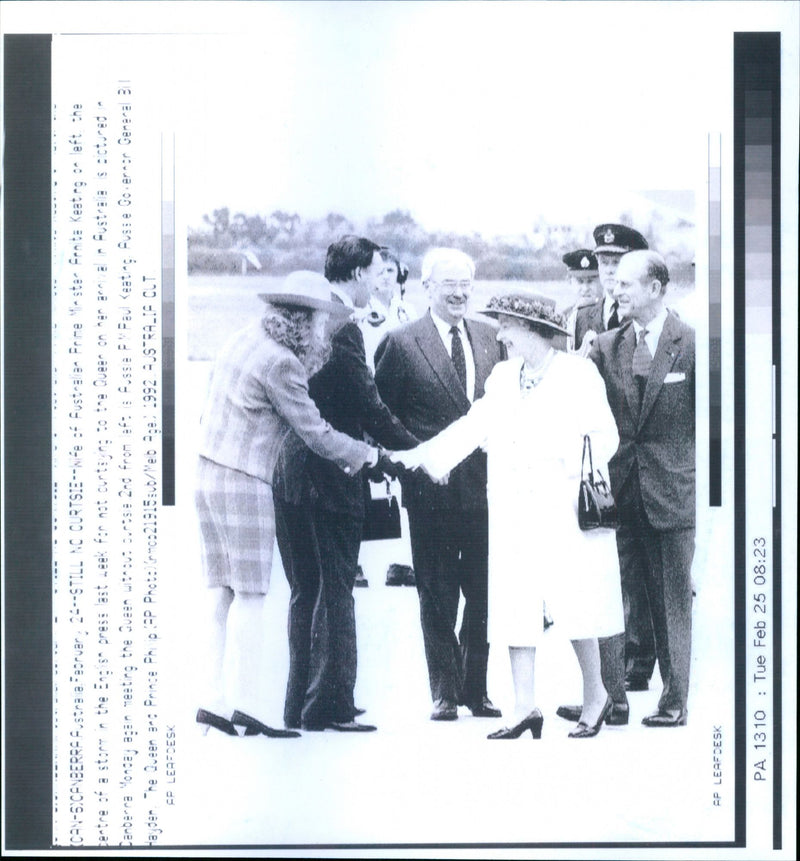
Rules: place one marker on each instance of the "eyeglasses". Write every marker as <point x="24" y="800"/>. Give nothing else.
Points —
<point x="452" y="285"/>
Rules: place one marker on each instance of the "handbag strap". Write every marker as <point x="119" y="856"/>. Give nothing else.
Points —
<point x="587" y="444"/>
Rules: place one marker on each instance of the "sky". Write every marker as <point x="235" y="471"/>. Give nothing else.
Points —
<point x="471" y="116"/>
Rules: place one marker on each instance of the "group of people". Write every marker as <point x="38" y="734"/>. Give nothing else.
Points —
<point x="483" y="422"/>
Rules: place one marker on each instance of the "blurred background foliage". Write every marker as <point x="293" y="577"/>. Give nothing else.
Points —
<point x="281" y="242"/>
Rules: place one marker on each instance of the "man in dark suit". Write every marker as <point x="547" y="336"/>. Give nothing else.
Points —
<point x="320" y="515"/>
<point x="428" y="373"/>
<point x="648" y="365"/>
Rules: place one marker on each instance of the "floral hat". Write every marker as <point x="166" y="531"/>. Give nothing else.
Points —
<point x="528" y="306"/>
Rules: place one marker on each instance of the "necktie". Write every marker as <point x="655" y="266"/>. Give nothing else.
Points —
<point x="613" y="320"/>
<point x="459" y="360"/>
<point x="642" y="358"/>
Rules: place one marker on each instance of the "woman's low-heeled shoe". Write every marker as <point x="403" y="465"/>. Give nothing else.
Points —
<point x="583" y="730"/>
<point x="208" y="719"/>
<point x="255" y="727"/>
<point x="533" y="722"/>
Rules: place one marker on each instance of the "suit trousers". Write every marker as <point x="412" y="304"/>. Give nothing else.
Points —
<point x="640" y="649"/>
<point x="450" y="550"/>
<point x="661" y="562"/>
<point x="319" y="550"/>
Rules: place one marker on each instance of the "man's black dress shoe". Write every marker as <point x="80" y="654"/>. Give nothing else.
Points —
<point x="255" y="727"/>
<point x="485" y="708"/>
<point x="583" y="730"/>
<point x="444" y="710"/>
<point x="351" y="726"/>
<point x="618" y="715"/>
<point x="665" y="718"/>
<point x="636" y="684"/>
<point x="400" y="575"/>
<point x="340" y="726"/>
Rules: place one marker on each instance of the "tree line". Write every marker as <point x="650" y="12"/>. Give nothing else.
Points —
<point x="282" y="242"/>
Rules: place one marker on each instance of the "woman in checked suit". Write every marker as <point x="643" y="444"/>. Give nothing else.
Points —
<point x="258" y="391"/>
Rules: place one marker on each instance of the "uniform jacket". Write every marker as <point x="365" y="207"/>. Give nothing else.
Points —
<point x="344" y="391"/>
<point x="258" y="391"/>
<point x="588" y="317"/>
<point x="659" y="436"/>
<point x="418" y="382"/>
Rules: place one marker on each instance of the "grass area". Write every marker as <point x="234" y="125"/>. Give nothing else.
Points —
<point x="220" y="305"/>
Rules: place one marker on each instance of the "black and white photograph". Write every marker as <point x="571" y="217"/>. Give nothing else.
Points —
<point x="410" y="377"/>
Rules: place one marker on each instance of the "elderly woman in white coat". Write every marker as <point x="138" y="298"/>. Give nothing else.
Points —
<point x="531" y="421"/>
<point x="258" y="391"/>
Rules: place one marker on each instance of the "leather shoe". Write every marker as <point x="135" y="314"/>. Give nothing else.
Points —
<point x="618" y="715"/>
<point x="444" y="710"/>
<point x="485" y="708"/>
<point x="636" y="683"/>
<point x="252" y="726"/>
<point x="360" y="580"/>
<point x="351" y="726"/>
<point x="583" y="730"/>
<point x="664" y="717"/>
<point x="400" y="575"/>
<point x="340" y="726"/>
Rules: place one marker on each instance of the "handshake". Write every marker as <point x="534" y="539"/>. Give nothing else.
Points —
<point x="394" y="463"/>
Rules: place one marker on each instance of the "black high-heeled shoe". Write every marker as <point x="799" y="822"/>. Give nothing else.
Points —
<point x="583" y="730"/>
<point x="533" y="722"/>
<point x="255" y="727"/>
<point x="209" y="719"/>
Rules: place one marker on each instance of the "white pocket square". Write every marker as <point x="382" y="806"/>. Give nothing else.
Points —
<point x="675" y="377"/>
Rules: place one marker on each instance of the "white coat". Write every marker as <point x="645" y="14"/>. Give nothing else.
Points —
<point x="537" y="552"/>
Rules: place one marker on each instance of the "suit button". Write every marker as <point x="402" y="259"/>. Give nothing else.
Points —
<point x="347" y="470"/>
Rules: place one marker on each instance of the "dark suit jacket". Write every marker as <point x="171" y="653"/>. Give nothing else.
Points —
<point x="589" y="317"/>
<point x="659" y="437"/>
<point x="345" y="393"/>
<point x="418" y="382"/>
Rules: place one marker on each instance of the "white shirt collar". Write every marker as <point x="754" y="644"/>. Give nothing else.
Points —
<point x="337" y="291"/>
<point x="444" y="327"/>
<point x="654" y="327"/>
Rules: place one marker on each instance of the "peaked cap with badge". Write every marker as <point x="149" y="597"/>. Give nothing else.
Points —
<point x="581" y="260"/>
<point x="618" y="239"/>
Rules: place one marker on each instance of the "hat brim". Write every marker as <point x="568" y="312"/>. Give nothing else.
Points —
<point x="335" y="309"/>
<point x="611" y="249"/>
<point x="492" y="312"/>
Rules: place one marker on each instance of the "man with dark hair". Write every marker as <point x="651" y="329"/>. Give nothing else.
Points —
<point x="429" y="372"/>
<point x="648" y="366"/>
<point x="320" y="515"/>
<point x="351" y="260"/>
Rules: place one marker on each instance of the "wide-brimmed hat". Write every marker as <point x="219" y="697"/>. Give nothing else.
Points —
<point x="306" y="289"/>
<point x="532" y="307"/>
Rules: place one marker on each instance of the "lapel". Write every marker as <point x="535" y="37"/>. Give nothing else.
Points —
<point x="434" y="352"/>
<point x="626" y="341"/>
<point x="481" y="349"/>
<point x="667" y="352"/>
